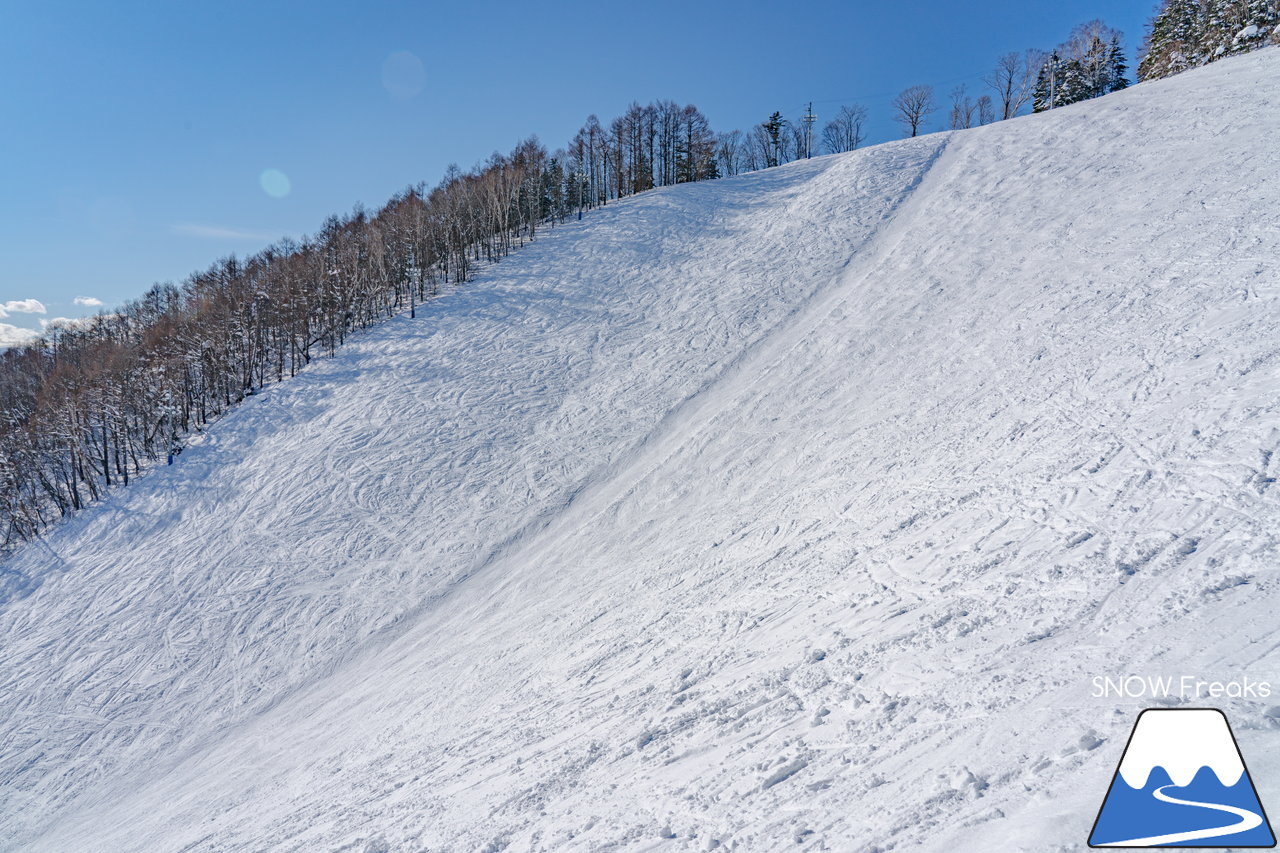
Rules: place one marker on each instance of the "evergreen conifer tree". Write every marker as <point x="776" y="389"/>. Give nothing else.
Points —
<point x="1048" y="83"/>
<point x="773" y="127"/>
<point x="1091" y="63"/>
<point x="1188" y="33"/>
<point x="1174" y="42"/>
<point x="1074" y="83"/>
<point x="1257" y="22"/>
<point x="1117" y="68"/>
<point x="1094" y="71"/>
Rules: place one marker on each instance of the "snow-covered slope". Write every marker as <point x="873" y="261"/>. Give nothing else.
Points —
<point x="797" y="507"/>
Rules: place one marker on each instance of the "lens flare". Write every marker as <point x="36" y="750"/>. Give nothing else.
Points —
<point x="275" y="183"/>
<point x="403" y="75"/>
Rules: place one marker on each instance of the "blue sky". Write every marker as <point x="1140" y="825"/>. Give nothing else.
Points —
<point x="134" y="137"/>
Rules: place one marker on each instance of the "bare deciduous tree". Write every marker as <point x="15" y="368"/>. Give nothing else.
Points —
<point x="966" y="112"/>
<point x="729" y="153"/>
<point x="913" y="105"/>
<point x="986" y="110"/>
<point x="1014" y="80"/>
<point x="91" y="403"/>
<point x="846" y="131"/>
<point x="964" y="109"/>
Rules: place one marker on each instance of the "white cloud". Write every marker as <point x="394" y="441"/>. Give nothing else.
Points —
<point x="22" y="306"/>
<point x="14" y="336"/>
<point x="67" y="322"/>
<point x="88" y="301"/>
<point x="74" y="322"/>
<point x="216" y="232"/>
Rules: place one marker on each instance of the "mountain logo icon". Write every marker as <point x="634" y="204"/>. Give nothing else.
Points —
<point x="1182" y="782"/>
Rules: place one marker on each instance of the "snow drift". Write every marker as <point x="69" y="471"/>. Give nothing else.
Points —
<point x="797" y="507"/>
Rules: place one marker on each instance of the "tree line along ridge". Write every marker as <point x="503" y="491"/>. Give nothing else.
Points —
<point x="92" y="403"/>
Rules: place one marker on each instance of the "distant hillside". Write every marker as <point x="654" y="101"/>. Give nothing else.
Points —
<point x="792" y="510"/>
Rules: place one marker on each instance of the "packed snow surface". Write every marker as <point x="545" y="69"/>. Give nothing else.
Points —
<point x="796" y="510"/>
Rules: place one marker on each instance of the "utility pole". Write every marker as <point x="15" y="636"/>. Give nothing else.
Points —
<point x="415" y="278"/>
<point x="809" y="119"/>
<point x="1053" y="80"/>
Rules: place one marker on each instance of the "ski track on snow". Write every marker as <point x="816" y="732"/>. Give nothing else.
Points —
<point x="796" y="508"/>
